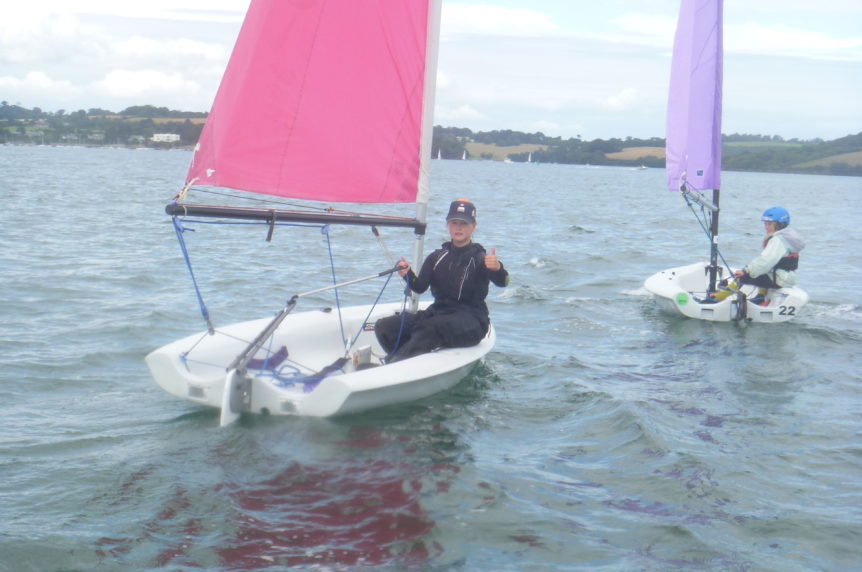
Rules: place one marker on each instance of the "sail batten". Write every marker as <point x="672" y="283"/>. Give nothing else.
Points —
<point x="324" y="101"/>
<point x="694" y="103"/>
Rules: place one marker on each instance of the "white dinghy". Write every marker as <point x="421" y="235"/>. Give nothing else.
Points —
<point x="680" y="291"/>
<point x="321" y="101"/>
<point x="694" y="167"/>
<point x="297" y="376"/>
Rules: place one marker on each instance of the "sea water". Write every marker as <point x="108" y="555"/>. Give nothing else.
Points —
<point x="600" y="433"/>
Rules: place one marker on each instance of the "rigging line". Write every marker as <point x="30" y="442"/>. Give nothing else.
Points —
<point x="389" y="257"/>
<point x="259" y="200"/>
<point x="250" y="223"/>
<point x="701" y="218"/>
<point x="268" y="351"/>
<point x="178" y="227"/>
<point x="288" y="363"/>
<point x="181" y="194"/>
<point x="365" y="320"/>
<point x="347" y="283"/>
<point x="325" y="231"/>
<point x="184" y="355"/>
<point x="334" y="210"/>
<point x="328" y="209"/>
<point x="403" y="320"/>
<point x="703" y="224"/>
<point x="242" y="360"/>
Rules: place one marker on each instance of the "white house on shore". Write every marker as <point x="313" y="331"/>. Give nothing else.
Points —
<point x="165" y="138"/>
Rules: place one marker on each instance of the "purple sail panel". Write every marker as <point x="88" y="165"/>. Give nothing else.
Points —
<point x="694" y="103"/>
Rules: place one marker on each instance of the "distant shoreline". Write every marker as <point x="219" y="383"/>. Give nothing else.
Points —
<point x="628" y="158"/>
<point x="147" y="126"/>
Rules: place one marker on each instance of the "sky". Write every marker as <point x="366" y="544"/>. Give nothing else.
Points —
<point x="567" y="68"/>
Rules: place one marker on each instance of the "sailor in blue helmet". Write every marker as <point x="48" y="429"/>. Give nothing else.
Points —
<point x="458" y="273"/>
<point x="775" y="266"/>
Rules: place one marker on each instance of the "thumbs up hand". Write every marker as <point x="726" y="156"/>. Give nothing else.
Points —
<point x="491" y="262"/>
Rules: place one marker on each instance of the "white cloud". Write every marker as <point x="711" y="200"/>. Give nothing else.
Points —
<point x="778" y="40"/>
<point x="463" y="112"/>
<point x="487" y="19"/>
<point x="546" y="127"/>
<point x="44" y="36"/>
<point x="443" y="81"/>
<point x="79" y="54"/>
<point x="33" y="81"/>
<point x="146" y="83"/>
<point x="139" y="47"/>
<point x="38" y="89"/>
<point x="623" y="100"/>
<point x="178" y="10"/>
<point x="647" y="26"/>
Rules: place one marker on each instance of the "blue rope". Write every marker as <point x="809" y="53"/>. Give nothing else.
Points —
<point x="325" y="231"/>
<point x="370" y="310"/>
<point x="180" y="229"/>
<point x="403" y="320"/>
<point x="269" y="352"/>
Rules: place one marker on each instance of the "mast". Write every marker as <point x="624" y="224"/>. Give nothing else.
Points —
<point x="432" y="39"/>
<point x="713" y="247"/>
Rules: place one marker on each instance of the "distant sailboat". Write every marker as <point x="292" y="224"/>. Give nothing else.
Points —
<point x="464" y="155"/>
<point x="439" y="154"/>
<point x="694" y="166"/>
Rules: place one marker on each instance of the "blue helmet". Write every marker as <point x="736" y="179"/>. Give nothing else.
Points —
<point x="776" y="214"/>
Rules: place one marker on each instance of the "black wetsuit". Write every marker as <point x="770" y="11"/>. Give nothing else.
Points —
<point x="458" y="317"/>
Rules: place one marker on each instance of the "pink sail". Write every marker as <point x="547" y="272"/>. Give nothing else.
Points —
<point x="694" y="102"/>
<point x="324" y="100"/>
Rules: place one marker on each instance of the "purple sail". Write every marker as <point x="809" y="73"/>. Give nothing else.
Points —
<point x="694" y="101"/>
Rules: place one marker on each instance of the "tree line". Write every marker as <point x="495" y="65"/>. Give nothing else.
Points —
<point x="136" y="125"/>
<point x="740" y="152"/>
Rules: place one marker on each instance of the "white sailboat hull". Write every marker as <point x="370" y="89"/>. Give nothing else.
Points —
<point x="677" y="291"/>
<point x="313" y="341"/>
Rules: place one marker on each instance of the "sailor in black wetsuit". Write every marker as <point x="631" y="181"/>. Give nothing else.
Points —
<point x="458" y="274"/>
